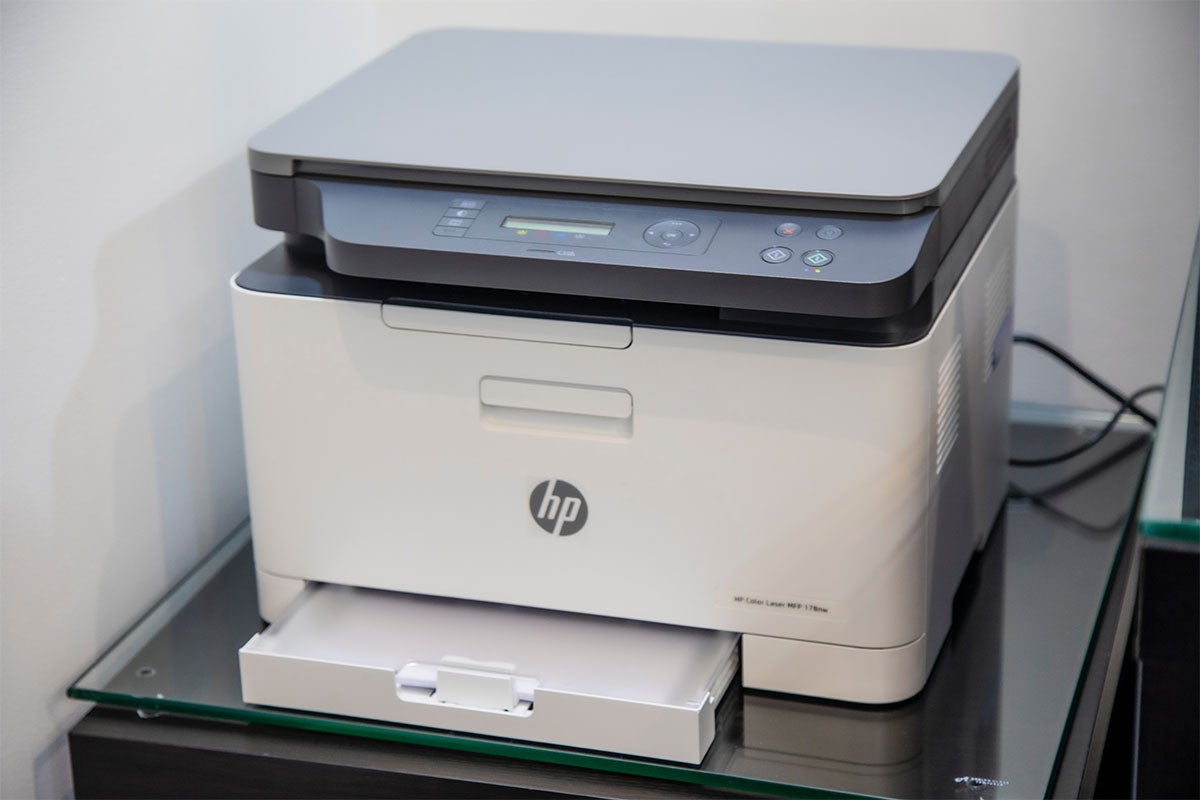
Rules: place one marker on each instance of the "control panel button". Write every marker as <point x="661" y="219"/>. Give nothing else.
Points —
<point x="776" y="255"/>
<point x="828" y="232"/>
<point x="466" y="203"/>
<point x="671" y="233"/>
<point x="788" y="229"/>
<point x="465" y="213"/>
<point x="817" y="258"/>
<point x="455" y="222"/>
<point x="442" y="230"/>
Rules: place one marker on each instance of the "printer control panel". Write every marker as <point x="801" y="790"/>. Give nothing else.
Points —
<point x="547" y="225"/>
<point x="728" y="256"/>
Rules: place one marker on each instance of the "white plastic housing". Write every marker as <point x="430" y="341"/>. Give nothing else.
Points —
<point x="821" y="499"/>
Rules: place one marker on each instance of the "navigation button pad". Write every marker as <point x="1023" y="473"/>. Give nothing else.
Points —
<point x="671" y="233"/>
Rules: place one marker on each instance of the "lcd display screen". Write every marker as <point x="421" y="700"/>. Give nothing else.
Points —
<point x="558" y="225"/>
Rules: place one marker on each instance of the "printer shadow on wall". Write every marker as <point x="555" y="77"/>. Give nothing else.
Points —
<point x="1043" y="293"/>
<point x="148" y="461"/>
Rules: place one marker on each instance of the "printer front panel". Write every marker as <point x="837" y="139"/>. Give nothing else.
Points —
<point x="755" y="485"/>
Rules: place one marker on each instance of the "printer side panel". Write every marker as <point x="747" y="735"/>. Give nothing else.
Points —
<point x="970" y="444"/>
<point x="970" y="372"/>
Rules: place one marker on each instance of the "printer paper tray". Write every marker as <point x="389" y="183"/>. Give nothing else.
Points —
<point x="545" y="676"/>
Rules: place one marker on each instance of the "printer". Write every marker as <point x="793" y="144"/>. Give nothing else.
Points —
<point x="595" y="372"/>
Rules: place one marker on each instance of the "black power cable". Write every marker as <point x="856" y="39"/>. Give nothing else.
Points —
<point x="1084" y="372"/>
<point x="1058" y="458"/>
<point x="1128" y="403"/>
<point x="1041" y="498"/>
<point x="1017" y="493"/>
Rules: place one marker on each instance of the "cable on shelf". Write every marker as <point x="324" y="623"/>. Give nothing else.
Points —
<point x="1128" y="403"/>
<point x="1067" y="455"/>
<point x="1084" y="372"/>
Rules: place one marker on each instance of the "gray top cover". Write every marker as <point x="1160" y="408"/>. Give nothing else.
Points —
<point x="875" y="129"/>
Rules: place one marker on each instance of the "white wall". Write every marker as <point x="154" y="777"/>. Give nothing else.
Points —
<point x="125" y="208"/>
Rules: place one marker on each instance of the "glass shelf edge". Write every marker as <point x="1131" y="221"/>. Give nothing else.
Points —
<point x="1179" y="530"/>
<point x="1033" y="413"/>
<point x="1127" y="540"/>
<point x="444" y="741"/>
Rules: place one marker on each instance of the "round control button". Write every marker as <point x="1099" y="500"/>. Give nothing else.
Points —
<point x="817" y="258"/>
<point x="788" y="229"/>
<point x="776" y="255"/>
<point x="671" y="233"/>
<point x="828" y="232"/>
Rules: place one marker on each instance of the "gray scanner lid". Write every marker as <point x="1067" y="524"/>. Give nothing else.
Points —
<point x="814" y="126"/>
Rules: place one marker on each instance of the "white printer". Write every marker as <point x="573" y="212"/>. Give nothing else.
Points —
<point x="588" y="358"/>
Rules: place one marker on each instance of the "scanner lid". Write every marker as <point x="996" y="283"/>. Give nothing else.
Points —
<point x="802" y="126"/>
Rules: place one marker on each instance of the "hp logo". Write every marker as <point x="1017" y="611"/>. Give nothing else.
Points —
<point x="558" y="507"/>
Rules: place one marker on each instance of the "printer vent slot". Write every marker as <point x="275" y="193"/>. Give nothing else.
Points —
<point x="948" y="394"/>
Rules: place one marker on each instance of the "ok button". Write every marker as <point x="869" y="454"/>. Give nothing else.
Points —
<point x="776" y="255"/>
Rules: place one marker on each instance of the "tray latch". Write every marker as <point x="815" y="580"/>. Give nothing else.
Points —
<point x="460" y="682"/>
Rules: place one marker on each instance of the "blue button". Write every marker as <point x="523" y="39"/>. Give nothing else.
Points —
<point x="828" y="232"/>
<point x="465" y="203"/>
<point x="817" y="258"/>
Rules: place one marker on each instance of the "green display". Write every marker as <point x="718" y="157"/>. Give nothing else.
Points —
<point x="558" y="225"/>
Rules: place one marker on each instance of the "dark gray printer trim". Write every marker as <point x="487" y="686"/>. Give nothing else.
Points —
<point x="372" y="231"/>
<point x="299" y="269"/>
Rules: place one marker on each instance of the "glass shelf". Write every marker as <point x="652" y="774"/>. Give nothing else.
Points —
<point x="990" y="723"/>
<point x="1170" y="510"/>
